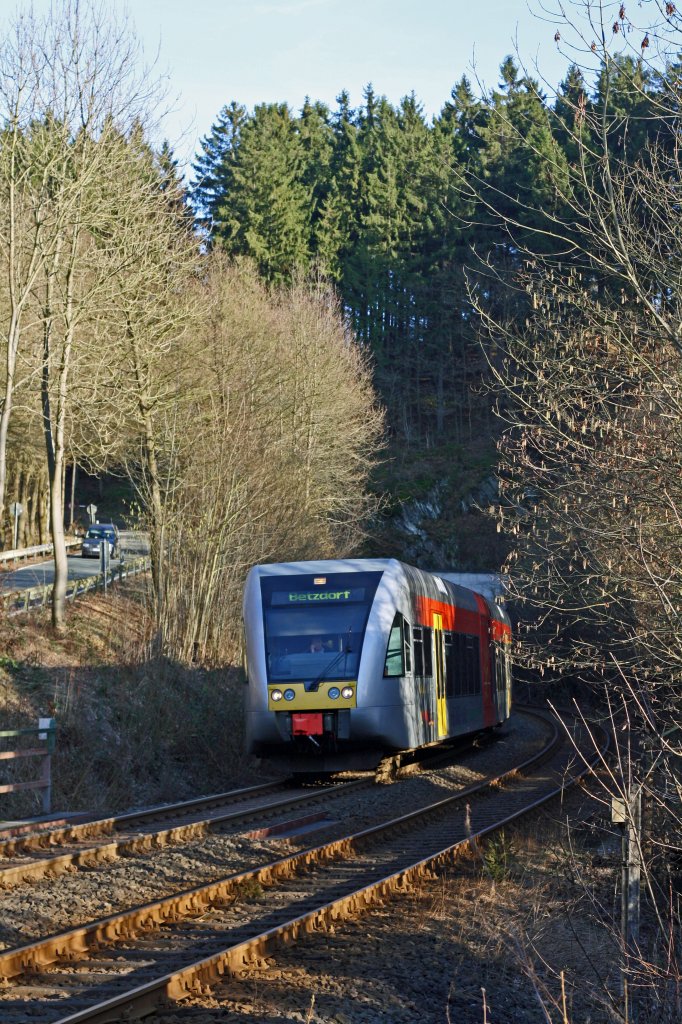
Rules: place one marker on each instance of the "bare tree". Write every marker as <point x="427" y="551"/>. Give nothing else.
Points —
<point x="24" y="193"/>
<point x="280" y="433"/>
<point x="154" y="258"/>
<point x="588" y="382"/>
<point x="71" y="81"/>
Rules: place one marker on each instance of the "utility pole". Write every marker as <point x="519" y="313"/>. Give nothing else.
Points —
<point x="627" y="812"/>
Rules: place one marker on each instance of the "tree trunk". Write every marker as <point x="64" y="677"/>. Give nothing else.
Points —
<point x="10" y="370"/>
<point x="72" y="505"/>
<point x="54" y="433"/>
<point x="61" y="565"/>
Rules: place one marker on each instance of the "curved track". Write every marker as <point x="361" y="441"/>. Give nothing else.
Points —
<point x="131" y="962"/>
<point x="30" y="857"/>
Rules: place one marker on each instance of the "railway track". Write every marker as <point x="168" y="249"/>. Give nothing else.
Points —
<point x="48" y="853"/>
<point x="129" y="963"/>
<point x="93" y="843"/>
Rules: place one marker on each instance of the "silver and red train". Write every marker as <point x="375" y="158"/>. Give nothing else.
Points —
<point x="369" y="655"/>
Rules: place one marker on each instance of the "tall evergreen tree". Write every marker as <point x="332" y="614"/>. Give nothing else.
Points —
<point x="623" y="98"/>
<point x="265" y="210"/>
<point x="525" y="168"/>
<point x="317" y="144"/>
<point x="336" y="231"/>
<point x="212" y="169"/>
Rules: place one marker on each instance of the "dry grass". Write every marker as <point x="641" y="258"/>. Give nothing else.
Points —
<point x="131" y="730"/>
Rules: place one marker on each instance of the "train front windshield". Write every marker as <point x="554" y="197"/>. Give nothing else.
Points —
<point x="315" y="625"/>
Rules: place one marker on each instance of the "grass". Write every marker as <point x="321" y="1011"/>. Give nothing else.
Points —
<point x="130" y="730"/>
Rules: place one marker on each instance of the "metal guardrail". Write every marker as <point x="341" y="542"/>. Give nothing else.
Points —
<point x="18" y="554"/>
<point x="46" y="733"/>
<point x="14" y="601"/>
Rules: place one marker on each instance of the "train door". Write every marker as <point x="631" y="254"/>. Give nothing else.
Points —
<point x="439" y="675"/>
<point x="497" y="678"/>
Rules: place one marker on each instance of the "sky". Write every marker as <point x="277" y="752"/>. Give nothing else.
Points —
<point x="254" y="51"/>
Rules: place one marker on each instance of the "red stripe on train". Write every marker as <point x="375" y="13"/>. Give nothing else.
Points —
<point x="479" y="623"/>
<point x="458" y="620"/>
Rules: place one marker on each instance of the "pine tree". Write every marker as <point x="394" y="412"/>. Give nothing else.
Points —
<point x="317" y="145"/>
<point x="462" y="118"/>
<point x="212" y="170"/>
<point x="336" y="231"/>
<point x="524" y="163"/>
<point x="265" y="212"/>
<point x="623" y="97"/>
<point x="570" y="108"/>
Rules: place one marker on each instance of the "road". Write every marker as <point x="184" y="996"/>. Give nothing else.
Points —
<point x="39" y="574"/>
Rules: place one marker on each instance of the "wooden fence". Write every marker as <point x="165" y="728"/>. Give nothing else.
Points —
<point x="46" y="733"/>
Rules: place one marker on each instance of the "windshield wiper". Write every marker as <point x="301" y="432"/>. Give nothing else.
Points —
<point x="312" y="687"/>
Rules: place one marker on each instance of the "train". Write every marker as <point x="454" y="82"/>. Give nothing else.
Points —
<point x="348" y="660"/>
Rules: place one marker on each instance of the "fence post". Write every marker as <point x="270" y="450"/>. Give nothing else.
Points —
<point x="46" y="774"/>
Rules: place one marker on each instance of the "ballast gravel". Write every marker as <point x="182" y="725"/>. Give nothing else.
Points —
<point x="460" y="948"/>
<point x="78" y="896"/>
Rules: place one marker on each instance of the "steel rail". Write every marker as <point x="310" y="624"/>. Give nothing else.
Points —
<point x="47" y="839"/>
<point x="14" y="961"/>
<point x="194" y="902"/>
<point x="145" y="842"/>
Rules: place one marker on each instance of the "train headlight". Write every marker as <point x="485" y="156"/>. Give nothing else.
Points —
<point x="347" y="692"/>
<point x="289" y="694"/>
<point x="333" y="692"/>
<point x="276" y="694"/>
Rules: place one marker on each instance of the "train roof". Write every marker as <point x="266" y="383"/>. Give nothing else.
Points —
<point x="492" y="585"/>
<point x="462" y="594"/>
<point x="327" y="565"/>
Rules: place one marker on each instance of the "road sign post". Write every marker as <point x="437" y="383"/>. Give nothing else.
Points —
<point x="15" y="511"/>
<point x="104" y="561"/>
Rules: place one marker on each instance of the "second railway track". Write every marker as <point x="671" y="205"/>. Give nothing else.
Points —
<point x="35" y="856"/>
<point x="96" y="843"/>
<point x="132" y="961"/>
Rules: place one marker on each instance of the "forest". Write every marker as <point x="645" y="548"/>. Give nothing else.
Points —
<point x="351" y="314"/>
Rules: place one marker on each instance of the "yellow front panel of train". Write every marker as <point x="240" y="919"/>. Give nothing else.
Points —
<point x="313" y="700"/>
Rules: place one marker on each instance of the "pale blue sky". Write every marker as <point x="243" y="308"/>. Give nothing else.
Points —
<point x="263" y="50"/>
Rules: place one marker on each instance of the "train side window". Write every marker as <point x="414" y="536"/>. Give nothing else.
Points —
<point x="418" y="642"/>
<point x="498" y="663"/>
<point x="473" y="665"/>
<point x="463" y="664"/>
<point x="461" y="687"/>
<point x="450" y="667"/>
<point x="428" y="651"/>
<point x="407" y="644"/>
<point x="422" y="638"/>
<point x="395" y="655"/>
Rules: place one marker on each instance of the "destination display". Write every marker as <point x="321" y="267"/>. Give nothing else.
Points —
<point x="306" y="597"/>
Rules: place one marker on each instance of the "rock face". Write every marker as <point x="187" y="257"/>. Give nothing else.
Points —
<point x="444" y="528"/>
<point x="482" y="497"/>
